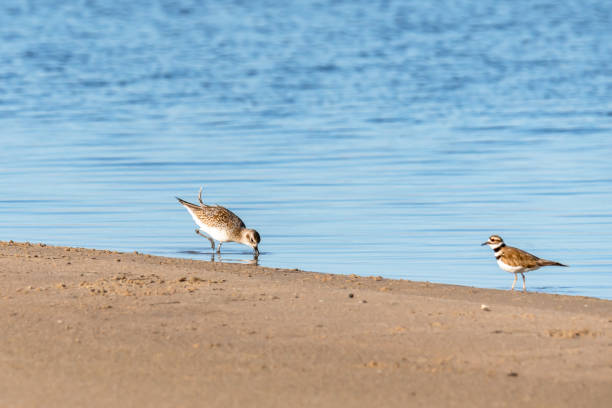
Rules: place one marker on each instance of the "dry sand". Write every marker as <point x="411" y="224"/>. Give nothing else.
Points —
<point x="94" y="328"/>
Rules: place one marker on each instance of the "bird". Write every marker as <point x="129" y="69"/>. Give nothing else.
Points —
<point x="219" y="223"/>
<point x="516" y="260"/>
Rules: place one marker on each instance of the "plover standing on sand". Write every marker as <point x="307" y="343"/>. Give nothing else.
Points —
<point x="515" y="260"/>
<point x="221" y="224"/>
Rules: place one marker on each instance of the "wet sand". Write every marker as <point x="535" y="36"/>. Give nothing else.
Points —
<point x="94" y="328"/>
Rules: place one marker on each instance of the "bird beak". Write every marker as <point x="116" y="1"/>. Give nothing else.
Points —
<point x="256" y="251"/>
<point x="484" y="243"/>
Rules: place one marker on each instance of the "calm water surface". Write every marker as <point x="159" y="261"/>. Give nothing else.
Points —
<point x="387" y="138"/>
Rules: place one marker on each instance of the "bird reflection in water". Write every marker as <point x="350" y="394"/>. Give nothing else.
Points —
<point x="216" y="257"/>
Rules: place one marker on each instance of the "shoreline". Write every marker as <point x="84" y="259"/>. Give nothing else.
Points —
<point x="97" y="327"/>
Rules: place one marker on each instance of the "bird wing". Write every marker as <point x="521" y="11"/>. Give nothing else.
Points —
<point x="215" y="214"/>
<point x="224" y="216"/>
<point x="517" y="257"/>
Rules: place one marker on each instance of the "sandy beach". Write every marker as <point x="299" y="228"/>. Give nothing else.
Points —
<point x="97" y="328"/>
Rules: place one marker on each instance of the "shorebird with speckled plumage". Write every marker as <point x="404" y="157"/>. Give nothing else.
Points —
<point x="219" y="223"/>
<point x="516" y="260"/>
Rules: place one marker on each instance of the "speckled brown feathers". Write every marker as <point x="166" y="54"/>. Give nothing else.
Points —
<point x="216" y="216"/>
<point x="220" y="224"/>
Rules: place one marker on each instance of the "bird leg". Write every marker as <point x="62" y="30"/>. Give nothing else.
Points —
<point x="200" y="198"/>
<point x="524" y="289"/>
<point x="219" y="247"/>
<point x="212" y="243"/>
<point x="514" y="283"/>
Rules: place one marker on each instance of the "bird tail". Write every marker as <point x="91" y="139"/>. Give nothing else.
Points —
<point x="186" y="203"/>
<point x="546" y="262"/>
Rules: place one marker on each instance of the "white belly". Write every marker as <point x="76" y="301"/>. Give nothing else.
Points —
<point x="514" y="269"/>
<point x="218" y="234"/>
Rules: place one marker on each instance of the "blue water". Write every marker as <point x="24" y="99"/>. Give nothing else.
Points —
<point x="387" y="138"/>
